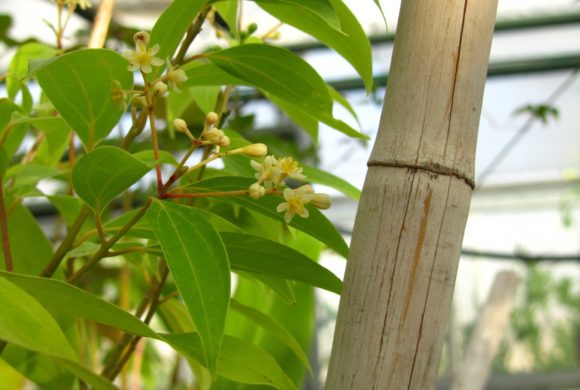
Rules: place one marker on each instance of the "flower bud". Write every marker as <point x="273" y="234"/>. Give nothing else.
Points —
<point x="252" y="28"/>
<point x="180" y="125"/>
<point x="141" y="36"/>
<point x="321" y="201"/>
<point x="211" y="119"/>
<point x="213" y="135"/>
<point x="224" y="141"/>
<point x="253" y="150"/>
<point x="256" y="191"/>
<point x="160" y="88"/>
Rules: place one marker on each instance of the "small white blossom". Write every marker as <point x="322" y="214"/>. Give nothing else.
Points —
<point x="290" y="168"/>
<point x="268" y="172"/>
<point x="143" y="57"/>
<point x="296" y="201"/>
<point x="175" y="77"/>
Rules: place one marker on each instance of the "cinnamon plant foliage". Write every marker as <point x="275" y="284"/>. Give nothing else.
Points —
<point x="159" y="257"/>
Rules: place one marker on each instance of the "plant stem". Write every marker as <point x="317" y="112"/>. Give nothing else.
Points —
<point x="135" y="130"/>
<point x="4" y="229"/>
<point x="127" y="344"/>
<point x="151" y="111"/>
<point x="192" y="33"/>
<point x="104" y="249"/>
<point x="66" y="244"/>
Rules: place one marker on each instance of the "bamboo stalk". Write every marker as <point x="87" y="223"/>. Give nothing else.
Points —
<point x="407" y="237"/>
<point x="101" y="25"/>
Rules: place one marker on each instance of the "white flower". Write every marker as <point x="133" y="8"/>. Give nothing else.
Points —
<point x="290" y="168"/>
<point x="175" y="77"/>
<point x="268" y="172"/>
<point x="295" y="202"/>
<point x="143" y="57"/>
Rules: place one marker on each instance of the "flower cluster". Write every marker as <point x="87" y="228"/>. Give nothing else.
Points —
<point x="143" y="59"/>
<point x="272" y="173"/>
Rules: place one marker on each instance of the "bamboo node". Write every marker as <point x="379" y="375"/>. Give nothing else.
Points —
<point x="433" y="168"/>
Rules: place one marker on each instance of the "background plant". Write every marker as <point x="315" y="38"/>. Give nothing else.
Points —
<point x="152" y="232"/>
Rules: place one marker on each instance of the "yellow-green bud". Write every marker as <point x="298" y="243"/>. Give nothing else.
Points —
<point x="160" y="88"/>
<point x="180" y="125"/>
<point x="255" y="150"/>
<point x="213" y="135"/>
<point x="256" y="191"/>
<point x="320" y="201"/>
<point x="139" y="101"/>
<point x="224" y="141"/>
<point x="211" y="119"/>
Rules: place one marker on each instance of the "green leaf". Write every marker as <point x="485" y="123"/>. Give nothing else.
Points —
<point x="316" y="225"/>
<point x="63" y="298"/>
<point x="83" y="85"/>
<point x="279" y="286"/>
<point x="25" y="177"/>
<point x="199" y="265"/>
<point x="257" y="255"/>
<point x="382" y="12"/>
<point x="7" y="107"/>
<point x="277" y="71"/>
<point x="18" y="67"/>
<point x="321" y="9"/>
<point x="239" y="360"/>
<point x="307" y="122"/>
<point x="274" y="328"/>
<point x="101" y="175"/>
<point x="202" y="73"/>
<point x="228" y="10"/>
<point x="148" y="157"/>
<point x="316" y="175"/>
<point x="171" y="26"/>
<point x="27" y="324"/>
<point x="56" y="139"/>
<point x="351" y="42"/>
<point x="24" y="230"/>
<point x="337" y="97"/>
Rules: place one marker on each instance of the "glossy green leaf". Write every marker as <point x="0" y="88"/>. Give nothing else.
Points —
<point x="101" y="175"/>
<point x="337" y="97"/>
<point x="316" y="175"/>
<point x="257" y="255"/>
<point x="148" y="157"/>
<point x="199" y="265"/>
<point x="171" y="26"/>
<point x="239" y="360"/>
<point x="25" y="177"/>
<point x="382" y="12"/>
<point x="18" y="67"/>
<point x="83" y="85"/>
<point x="279" y="286"/>
<point x="203" y="73"/>
<point x="316" y="225"/>
<point x="27" y="324"/>
<point x="63" y="298"/>
<point x="351" y="42"/>
<point x="306" y="121"/>
<point x="277" y="71"/>
<point x="24" y="230"/>
<point x="274" y="328"/>
<point x="321" y="9"/>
